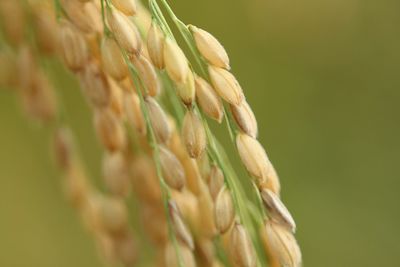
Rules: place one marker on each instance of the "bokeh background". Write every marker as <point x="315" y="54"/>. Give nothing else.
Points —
<point x="323" y="80"/>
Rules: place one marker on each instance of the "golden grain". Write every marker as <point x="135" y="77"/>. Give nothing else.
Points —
<point x="74" y="49"/>
<point x="216" y="181"/>
<point x="9" y="75"/>
<point x="180" y="228"/>
<point x="159" y="120"/>
<point x="126" y="250"/>
<point x="226" y="85"/>
<point x="26" y="68"/>
<point x="46" y="28"/>
<point x="116" y="98"/>
<point x="241" y="248"/>
<point x="116" y="174"/>
<point x="210" y="48"/>
<point x="208" y="99"/>
<point x="282" y="245"/>
<point x="174" y="174"/>
<point x="186" y="90"/>
<point x="172" y="260"/>
<point x="75" y="186"/>
<point x="175" y="61"/>
<point x="113" y="215"/>
<point x="134" y="113"/>
<point x="13" y="20"/>
<point x="128" y="7"/>
<point x="125" y="31"/>
<point x="277" y="211"/>
<point x="144" y="179"/>
<point x="95" y="86"/>
<point x="109" y="130"/>
<point x="245" y="118"/>
<point x="206" y="205"/>
<point x="253" y="156"/>
<point x="272" y="182"/>
<point x="39" y="100"/>
<point x="112" y="59"/>
<point x="224" y="212"/>
<point x="63" y="148"/>
<point x="193" y="134"/>
<point x="85" y="16"/>
<point x="155" y="45"/>
<point x="147" y="74"/>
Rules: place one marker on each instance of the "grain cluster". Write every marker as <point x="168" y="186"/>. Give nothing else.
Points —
<point x="149" y="105"/>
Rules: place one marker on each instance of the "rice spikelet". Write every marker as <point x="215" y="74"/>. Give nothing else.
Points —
<point x="226" y="85"/>
<point x="210" y="48"/>
<point x="175" y="61"/>
<point x="208" y="99"/>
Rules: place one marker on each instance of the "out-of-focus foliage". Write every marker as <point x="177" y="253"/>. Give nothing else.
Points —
<point x="323" y="80"/>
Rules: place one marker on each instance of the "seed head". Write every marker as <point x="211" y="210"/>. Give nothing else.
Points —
<point x="224" y="212"/>
<point x="282" y="245"/>
<point x="253" y="156"/>
<point x="277" y="210"/>
<point x="174" y="174"/>
<point x="226" y="85"/>
<point x="159" y="120"/>
<point x="125" y="31"/>
<point x="112" y="59"/>
<point x="128" y="7"/>
<point x="193" y="134"/>
<point x="147" y="74"/>
<point x="210" y="48"/>
<point x="175" y="61"/>
<point x="241" y="247"/>
<point x="208" y="99"/>
<point x="245" y="118"/>
<point x="155" y="45"/>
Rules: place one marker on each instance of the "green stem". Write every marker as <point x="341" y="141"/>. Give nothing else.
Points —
<point x="106" y="30"/>
<point x="175" y="103"/>
<point x="57" y="6"/>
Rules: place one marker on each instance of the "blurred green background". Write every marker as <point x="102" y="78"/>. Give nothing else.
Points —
<point x="323" y="80"/>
